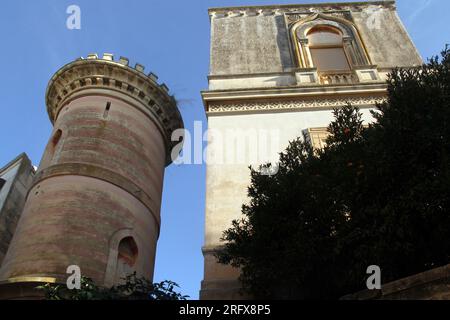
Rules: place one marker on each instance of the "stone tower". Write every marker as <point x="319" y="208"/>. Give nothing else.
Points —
<point x="95" y="200"/>
<point x="276" y="73"/>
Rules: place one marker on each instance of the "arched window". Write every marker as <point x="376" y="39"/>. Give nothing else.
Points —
<point x="327" y="49"/>
<point x="51" y="149"/>
<point x="126" y="258"/>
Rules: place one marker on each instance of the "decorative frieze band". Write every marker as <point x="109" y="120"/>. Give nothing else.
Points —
<point x="295" y="17"/>
<point x="232" y="12"/>
<point x="322" y="103"/>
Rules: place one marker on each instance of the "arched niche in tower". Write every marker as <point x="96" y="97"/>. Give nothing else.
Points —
<point x="126" y="258"/>
<point x="306" y="31"/>
<point x="122" y="257"/>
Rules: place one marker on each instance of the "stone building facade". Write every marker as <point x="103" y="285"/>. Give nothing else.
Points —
<point x="15" y="180"/>
<point x="95" y="199"/>
<point x="277" y="72"/>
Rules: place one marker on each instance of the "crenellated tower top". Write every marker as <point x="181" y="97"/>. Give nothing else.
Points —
<point x="91" y="74"/>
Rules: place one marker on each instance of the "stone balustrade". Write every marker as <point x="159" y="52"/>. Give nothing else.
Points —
<point x="338" y="77"/>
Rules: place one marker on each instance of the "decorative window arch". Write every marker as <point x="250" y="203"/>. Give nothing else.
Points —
<point x="352" y="45"/>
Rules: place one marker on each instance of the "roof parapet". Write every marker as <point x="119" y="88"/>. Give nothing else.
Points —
<point x="221" y="12"/>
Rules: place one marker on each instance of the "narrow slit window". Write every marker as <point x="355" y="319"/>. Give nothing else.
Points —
<point x="108" y="107"/>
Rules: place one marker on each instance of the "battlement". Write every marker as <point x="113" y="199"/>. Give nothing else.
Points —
<point x="125" y="62"/>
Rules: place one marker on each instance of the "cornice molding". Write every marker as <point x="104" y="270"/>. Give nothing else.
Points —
<point x="231" y="12"/>
<point x="294" y="92"/>
<point x="292" y="105"/>
<point x="105" y="73"/>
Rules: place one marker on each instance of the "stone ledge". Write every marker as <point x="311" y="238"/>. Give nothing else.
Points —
<point x="24" y="288"/>
<point x="429" y="285"/>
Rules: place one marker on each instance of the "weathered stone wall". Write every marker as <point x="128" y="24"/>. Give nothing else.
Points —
<point x="244" y="45"/>
<point x="19" y="176"/>
<point x="430" y="285"/>
<point x="388" y="43"/>
<point x="251" y="40"/>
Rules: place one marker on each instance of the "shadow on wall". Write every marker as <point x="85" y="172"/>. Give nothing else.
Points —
<point x="283" y="44"/>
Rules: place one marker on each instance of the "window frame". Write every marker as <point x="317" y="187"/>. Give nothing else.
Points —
<point x="354" y="46"/>
<point x="328" y="46"/>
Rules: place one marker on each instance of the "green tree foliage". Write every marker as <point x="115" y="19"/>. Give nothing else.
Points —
<point x="374" y="196"/>
<point x="134" y="288"/>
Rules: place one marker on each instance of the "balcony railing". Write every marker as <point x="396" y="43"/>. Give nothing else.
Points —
<point x="338" y="77"/>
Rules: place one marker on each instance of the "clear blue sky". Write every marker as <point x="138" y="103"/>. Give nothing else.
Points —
<point x="171" y="38"/>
